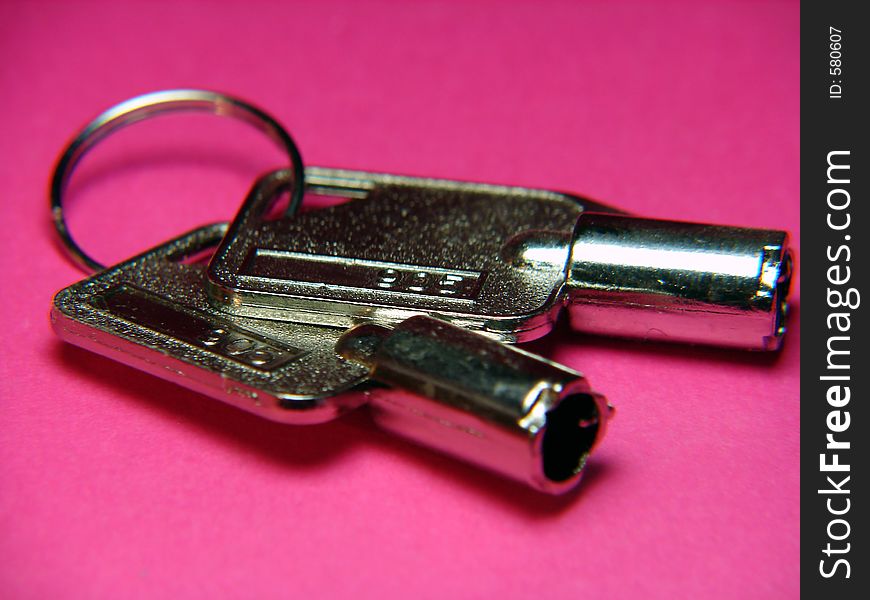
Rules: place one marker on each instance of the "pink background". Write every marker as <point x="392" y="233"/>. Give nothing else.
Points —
<point x="116" y="484"/>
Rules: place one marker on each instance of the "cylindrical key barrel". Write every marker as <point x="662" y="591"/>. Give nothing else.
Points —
<point x="480" y="400"/>
<point x="685" y="282"/>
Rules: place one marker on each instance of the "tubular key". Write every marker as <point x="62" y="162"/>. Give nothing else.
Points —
<point x="500" y="260"/>
<point x="507" y="410"/>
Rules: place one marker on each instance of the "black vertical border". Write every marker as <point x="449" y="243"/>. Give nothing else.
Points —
<point x="834" y="124"/>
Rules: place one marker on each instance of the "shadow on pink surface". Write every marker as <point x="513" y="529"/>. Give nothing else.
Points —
<point x="306" y="447"/>
<point x="564" y="337"/>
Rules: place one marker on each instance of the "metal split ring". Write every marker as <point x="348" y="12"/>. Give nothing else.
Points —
<point x="147" y="106"/>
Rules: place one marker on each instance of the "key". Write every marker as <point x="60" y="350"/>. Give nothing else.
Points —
<point x="456" y="391"/>
<point x="503" y="261"/>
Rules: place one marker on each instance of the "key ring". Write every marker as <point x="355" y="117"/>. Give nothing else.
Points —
<point x="147" y="106"/>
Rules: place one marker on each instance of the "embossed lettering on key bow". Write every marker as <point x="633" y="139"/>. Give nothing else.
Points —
<point x="155" y="313"/>
<point x="280" y="266"/>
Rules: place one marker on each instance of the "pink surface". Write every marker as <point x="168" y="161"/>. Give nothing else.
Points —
<point x="114" y="484"/>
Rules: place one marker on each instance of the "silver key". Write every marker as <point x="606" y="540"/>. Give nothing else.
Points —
<point x="152" y="313"/>
<point x="499" y="260"/>
<point x="507" y="410"/>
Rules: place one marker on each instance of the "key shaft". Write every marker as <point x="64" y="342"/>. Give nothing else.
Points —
<point x="494" y="405"/>
<point x="686" y="282"/>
